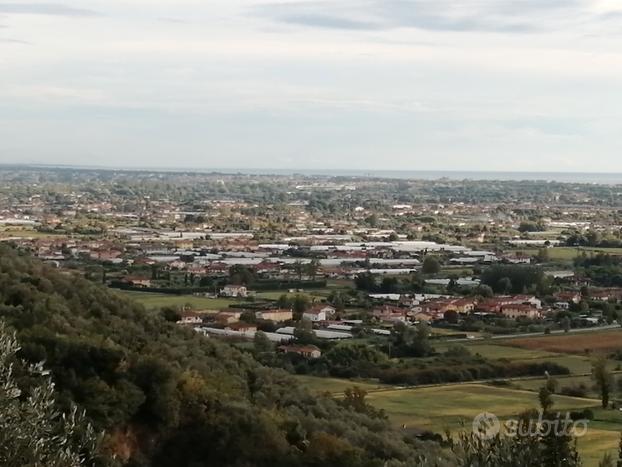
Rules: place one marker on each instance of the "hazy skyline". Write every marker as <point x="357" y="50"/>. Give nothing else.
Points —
<point x="422" y="84"/>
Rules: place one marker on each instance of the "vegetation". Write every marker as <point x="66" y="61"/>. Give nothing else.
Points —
<point x="167" y="396"/>
<point x="32" y="430"/>
<point x="515" y="279"/>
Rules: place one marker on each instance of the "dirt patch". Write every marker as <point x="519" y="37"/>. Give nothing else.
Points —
<point x="598" y="343"/>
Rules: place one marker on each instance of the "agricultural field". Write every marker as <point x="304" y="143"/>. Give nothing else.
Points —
<point x="533" y="384"/>
<point x="442" y="407"/>
<point x="318" y="384"/>
<point x="154" y="301"/>
<point x="453" y="407"/>
<point x="568" y="254"/>
<point x="24" y="233"/>
<point x="596" y="443"/>
<point x="275" y="295"/>
<point x="437" y="331"/>
<point x="578" y="365"/>
<point x="579" y="343"/>
<point x="497" y="351"/>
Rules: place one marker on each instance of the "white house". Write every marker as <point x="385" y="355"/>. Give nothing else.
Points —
<point x="190" y="317"/>
<point x="314" y="315"/>
<point x="234" y="291"/>
<point x="327" y="309"/>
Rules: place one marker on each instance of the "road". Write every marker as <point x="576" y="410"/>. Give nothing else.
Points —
<point x="536" y="334"/>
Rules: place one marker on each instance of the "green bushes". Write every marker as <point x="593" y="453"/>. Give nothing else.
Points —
<point x="439" y="373"/>
<point x="168" y="396"/>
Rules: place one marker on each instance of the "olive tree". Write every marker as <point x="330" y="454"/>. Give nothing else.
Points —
<point x="32" y="431"/>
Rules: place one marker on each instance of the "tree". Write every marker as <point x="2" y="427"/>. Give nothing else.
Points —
<point x="194" y="400"/>
<point x="606" y="461"/>
<point x="284" y="301"/>
<point x="372" y="220"/>
<point x="431" y="265"/>
<point x="451" y="316"/>
<point x="304" y="332"/>
<point x="543" y="255"/>
<point x="520" y="278"/>
<point x="312" y="268"/>
<point x="411" y="341"/>
<point x="299" y="269"/>
<point x="241" y="275"/>
<point x="529" y="447"/>
<point x="544" y="396"/>
<point x="603" y="379"/>
<point x="558" y="445"/>
<point x="551" y="384"/>
<point x="366" y="281"/>
<point x="338" y="300"/>
<point x="354" y="399"/>
<point x="261" y="343"/>
<point x="170" y="314"/>
<point x="32" y="431"/>
<point x="300" y="303"/>
<point x="530" y="227"/>
<point x="389" y="285"/>
<point x="354" y="360"/>
<point x="484" y="291"/>
<point x="504" y="285"/>
<point x="248" y="317"/>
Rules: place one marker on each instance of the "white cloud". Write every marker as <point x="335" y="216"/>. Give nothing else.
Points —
<point x="256" y="83"/>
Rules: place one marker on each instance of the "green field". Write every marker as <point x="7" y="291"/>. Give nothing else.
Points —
<point x="566" y="253"/>
<point x="603" y="435"/>
<point x="577" y="364"/>
<point x="496" y="351"/>
<point x="596" y="443"/>
<point x="335" y="385"/>
<point x="453" y="407"/>
<point x="27" y="233"/>
<point x="438" y="408"/>
<point x="444" y="407"/>
<point x="563" y="381"/>
<point x="153" y="301"/>
<point x="275" y="295"/>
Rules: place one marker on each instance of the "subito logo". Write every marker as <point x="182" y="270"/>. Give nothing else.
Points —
<point x="486" y="425"/>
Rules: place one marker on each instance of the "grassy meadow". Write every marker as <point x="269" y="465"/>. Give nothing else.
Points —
<point x="154" y="301"/>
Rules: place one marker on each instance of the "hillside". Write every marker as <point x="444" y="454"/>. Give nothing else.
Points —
<point x="166" y="396"/>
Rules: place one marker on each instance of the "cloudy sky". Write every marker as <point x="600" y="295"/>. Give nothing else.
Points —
<point x="524" y="85"/>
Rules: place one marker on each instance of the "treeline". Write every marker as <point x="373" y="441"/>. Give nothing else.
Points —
<point x="460" y="371"/>
<point x="604" y="270"/>
<point x="515" y="279"/>
<point x="592" y="239"/>
<point x="350" y="360"/>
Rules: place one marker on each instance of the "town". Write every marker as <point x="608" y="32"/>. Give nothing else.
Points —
<point x="338" y="280"/>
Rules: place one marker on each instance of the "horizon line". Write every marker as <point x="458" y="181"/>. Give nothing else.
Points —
<point x="264" y="171"/>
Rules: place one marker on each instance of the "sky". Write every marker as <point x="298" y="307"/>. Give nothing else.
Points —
<point x="499" y="85"/>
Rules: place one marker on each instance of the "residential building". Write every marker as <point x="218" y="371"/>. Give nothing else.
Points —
<point x="276" y="315"/>
<point x="234" y="291"/>
<point x="314" y="315"/>
<point x="308" y="351"/>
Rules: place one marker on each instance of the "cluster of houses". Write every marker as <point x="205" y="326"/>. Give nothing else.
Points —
<point x="205" y="253"/>
<point x="517" y="306"/>
<point x="228" y="323"/>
